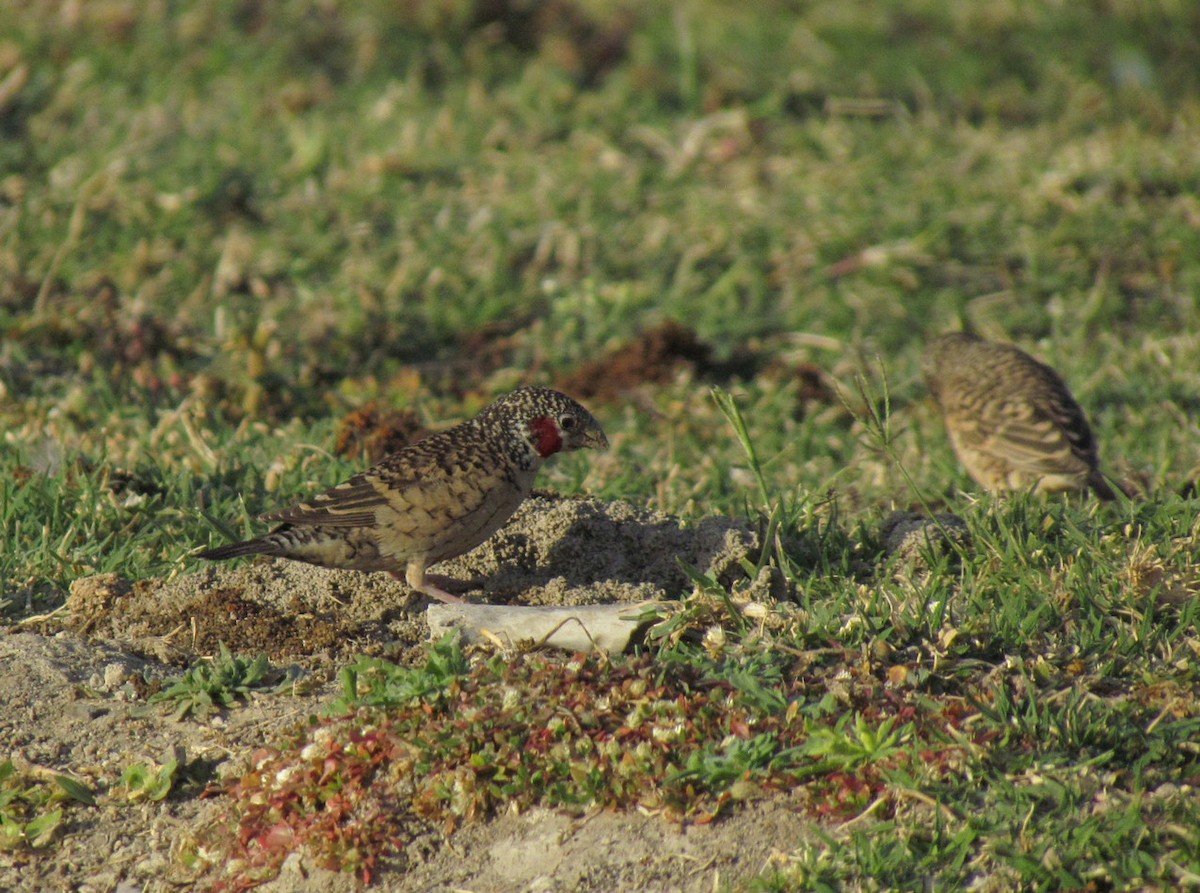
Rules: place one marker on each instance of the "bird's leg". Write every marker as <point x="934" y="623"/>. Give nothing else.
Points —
<point x="450" y="584"/>
<point x="416" y="578"/>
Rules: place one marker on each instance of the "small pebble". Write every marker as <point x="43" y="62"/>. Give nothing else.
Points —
<point x="115" y="675"/>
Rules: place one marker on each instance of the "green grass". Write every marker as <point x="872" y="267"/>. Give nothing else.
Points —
<point x="149" y="782"/>
<point x="209" y="686"/>
<point x="31" y="805"/>
<point x="224" y="227"/>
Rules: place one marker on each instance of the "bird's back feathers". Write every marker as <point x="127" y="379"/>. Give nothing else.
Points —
<point x="1012" y="419"/>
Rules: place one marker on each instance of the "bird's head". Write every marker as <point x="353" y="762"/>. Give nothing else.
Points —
<point x="546" y="422"/>
<point x="942" y="351"/>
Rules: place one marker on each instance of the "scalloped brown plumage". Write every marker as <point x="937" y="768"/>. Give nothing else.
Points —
<point x="1011" y="420"/>
<point x="433" y="500"/>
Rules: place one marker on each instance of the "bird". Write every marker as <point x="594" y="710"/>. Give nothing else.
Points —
<point x="1011" y="419"/>
<point x="434" y="499"/>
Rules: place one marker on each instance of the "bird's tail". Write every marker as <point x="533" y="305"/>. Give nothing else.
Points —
<point x="1103" y="486"/>
<point x="258" y="546"/>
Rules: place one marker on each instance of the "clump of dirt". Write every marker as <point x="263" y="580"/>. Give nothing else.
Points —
<point x="93" y="598"/>
<point x="586" y="551"/>
<point x="655" y="357"/>
<point x="373" y="431"/>
<point x="814" y="385"/>
<point x="553" y="551"/>
<point x="913" y="540"/>
<point x="560" y="30"/>
<point x="284" y="609"/>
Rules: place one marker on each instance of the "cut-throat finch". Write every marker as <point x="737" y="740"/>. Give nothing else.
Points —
<point x="433" y="500"/>
<point x="1011" y="419"/>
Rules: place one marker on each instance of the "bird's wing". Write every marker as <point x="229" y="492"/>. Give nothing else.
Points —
<point x="432" y="477"/>
<point x="352" y="504"/>
<point x="1070" y="419"/>
<point x="452" y="487"/>
<point x="1050" y="440"/>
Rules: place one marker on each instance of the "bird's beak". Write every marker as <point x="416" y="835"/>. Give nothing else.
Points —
<point x="595" y="439"/>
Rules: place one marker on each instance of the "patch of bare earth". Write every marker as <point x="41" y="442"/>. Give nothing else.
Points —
<point x="74" y="703"/>
<point x="655" y="357"/>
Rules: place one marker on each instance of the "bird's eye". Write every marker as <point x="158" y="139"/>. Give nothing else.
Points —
<point x="567" y="422"/>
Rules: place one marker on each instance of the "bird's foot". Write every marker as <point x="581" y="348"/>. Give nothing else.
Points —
<point x="435" y="586"/>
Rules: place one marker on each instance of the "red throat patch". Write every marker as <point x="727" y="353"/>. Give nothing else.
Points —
<point x="546" y="439"/>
